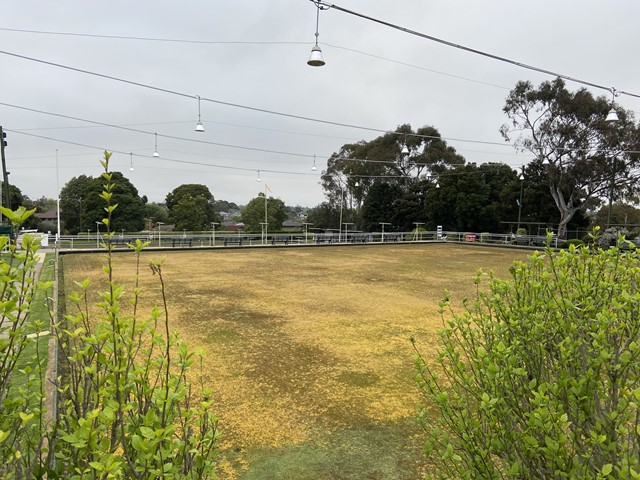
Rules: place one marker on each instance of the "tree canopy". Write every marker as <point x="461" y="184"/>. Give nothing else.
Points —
<point x="379" y="206"/>
<point x="356" y="168"/>
<point x="71" y="208"/>
<point x="587" y="156"/>
<point x="191" y="207"/>
<point x="154" y="213"/>
<point x="129" y="215"/>
<point x="253" y="213"/>
<point x="324" y="216"/>
<point x="473" y="198"/>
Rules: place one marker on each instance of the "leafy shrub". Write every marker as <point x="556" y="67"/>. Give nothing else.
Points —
<point x="538" y="377"/>
<point x="21" y="362"/>
<point x="574" y="241"/>
<point x="126" y="407"/>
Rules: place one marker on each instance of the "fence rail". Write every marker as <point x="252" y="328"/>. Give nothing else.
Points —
<point x="199" y="240"/>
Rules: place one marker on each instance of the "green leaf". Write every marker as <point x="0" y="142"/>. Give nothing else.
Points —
<point x="607" y="469"/>
<point x="25" y="417"/>
<point x="138" y="443"/>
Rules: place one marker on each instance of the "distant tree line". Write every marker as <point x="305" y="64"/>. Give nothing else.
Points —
<point x="582" y="161"/>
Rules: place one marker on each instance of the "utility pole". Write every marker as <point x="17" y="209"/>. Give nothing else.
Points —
<point x="5" y="174"/>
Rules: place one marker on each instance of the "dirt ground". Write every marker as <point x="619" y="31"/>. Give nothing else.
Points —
<point x="307" y="349"/>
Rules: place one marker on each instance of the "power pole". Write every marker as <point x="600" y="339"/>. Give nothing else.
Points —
<point x="5" y="174"/>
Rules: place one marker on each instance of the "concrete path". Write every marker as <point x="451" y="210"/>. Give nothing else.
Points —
<point x="38" y="268"/>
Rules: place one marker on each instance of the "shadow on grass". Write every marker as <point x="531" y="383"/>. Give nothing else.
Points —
<point x="376" y="452"/>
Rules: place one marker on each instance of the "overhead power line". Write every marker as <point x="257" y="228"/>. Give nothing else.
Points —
<point x="545" y="71"/>
<point x="149" y="39"/>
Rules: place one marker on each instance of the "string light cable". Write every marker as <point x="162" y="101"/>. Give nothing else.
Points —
<point x="136" y="130"/>
<point x="223" y="42"/>
<point x="186" y="95"/>
<point x="545" y="71"/>
<point x="173" y="137"/>
<point x="145" y="132"/>
<point x="448" y="172"/>
<point x="236" y="105"/>
<point x="272" y="112"/>
<point x="173" y="160"/>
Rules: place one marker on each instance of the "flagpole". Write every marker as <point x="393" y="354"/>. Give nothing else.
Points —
<point x="266" y="225"/>
<point x="57" y="202"/>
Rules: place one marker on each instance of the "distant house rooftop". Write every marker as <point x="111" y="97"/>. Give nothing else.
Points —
<point x="48" y="215"/>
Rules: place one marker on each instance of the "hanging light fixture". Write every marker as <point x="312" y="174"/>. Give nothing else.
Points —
<point x="155" y="152"/>
<point x="612" y="116"/>
<point x="315" y="59"/>
<point x="199" y="126"/>
<point x="258" y="179"/>
<point x="131" y="165"/>
<point x="314" y="168"/>
<point x="405" y="149"/>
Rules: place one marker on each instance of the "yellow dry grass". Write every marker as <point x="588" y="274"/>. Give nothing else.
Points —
<point x="308" y="348"/>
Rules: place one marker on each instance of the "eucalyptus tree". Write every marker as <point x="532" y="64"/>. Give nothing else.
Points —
<point x="401" y="158"/>
<point x="587" y="156"/>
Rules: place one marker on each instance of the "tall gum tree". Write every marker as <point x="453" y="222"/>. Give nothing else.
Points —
<point x="356" y="168"/>
<point x="588" y="157"/>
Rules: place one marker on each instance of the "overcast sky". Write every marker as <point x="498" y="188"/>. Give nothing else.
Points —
<point x="254" y="54"/>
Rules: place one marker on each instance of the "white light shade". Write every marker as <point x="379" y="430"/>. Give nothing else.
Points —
<point x="315" y="59"/>
<point x="314" y="168"/>
<point x="545" y="161"/>
<point x="199" y="127"/>
<point x="612" y="116"/>
<point x="131" y="168"/>
<point x="155" y="150"/>
<point x="405" y="149"/>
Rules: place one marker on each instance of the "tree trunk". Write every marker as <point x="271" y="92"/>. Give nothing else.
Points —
<point x="567" y="210"/>
<point x="565" y="217"/>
